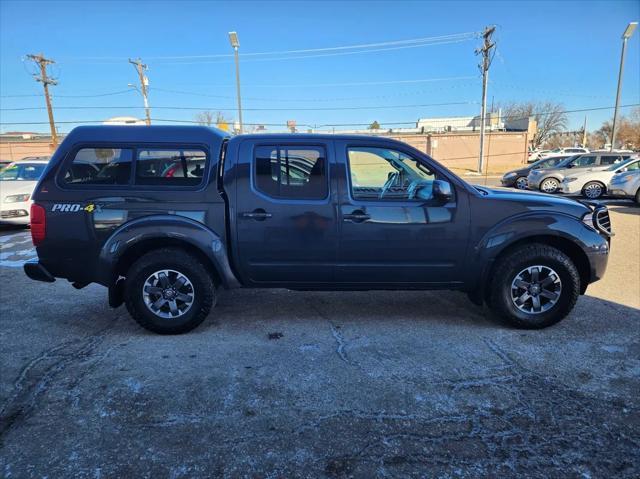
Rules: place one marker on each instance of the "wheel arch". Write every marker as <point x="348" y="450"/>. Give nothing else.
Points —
<point x="563" y="244"/>
<point x="136" y="238"/>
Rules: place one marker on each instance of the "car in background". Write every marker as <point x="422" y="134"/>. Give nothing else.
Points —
<point x="17" y="182"/>
<point x="625" y="184"/>
<point x="570" y="150"/>
<point x="592" y="183"/>
<point x="550" y="179"/>
<point x="518" y="178"/>
<point x="536" y="155"/>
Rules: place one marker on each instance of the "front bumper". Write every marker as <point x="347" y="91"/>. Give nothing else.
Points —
<point x="15" y="213"/>
<point x="508" y="182"/>
<point x="37" y="272"/>
<point x="570" y="188"/>
<point x="619" y="193"/>
<point x="533" y="183"/>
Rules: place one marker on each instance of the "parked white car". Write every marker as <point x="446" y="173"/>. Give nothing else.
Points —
<point x="592" y="183"/>
<point x="17" y="182"/>
<point x="626" y="184"/>
<point x="572" y="150"/>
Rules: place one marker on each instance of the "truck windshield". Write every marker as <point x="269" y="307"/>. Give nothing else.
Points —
<point x="22" y="172"/>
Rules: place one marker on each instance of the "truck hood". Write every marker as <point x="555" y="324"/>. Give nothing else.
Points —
<point x="536" y="201"/>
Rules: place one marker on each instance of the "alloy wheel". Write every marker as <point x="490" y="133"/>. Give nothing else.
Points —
<point x="536" y="289"/>
<point x="168" y="293"/>
<point x="549" y="185"/>
<point x="522" y="183"/>
<point x="593" y="191"/>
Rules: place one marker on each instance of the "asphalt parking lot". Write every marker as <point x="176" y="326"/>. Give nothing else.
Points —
<point x="305" y="384"/>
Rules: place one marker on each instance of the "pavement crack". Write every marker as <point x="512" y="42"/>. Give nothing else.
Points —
<point x="31" y="383"/>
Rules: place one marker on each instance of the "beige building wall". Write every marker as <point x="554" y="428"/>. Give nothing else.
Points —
<point x="503" y="150"/>
<point x="16" y="150"/>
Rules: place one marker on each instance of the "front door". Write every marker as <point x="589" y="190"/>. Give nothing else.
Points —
<point x="284" y="215"/>
<point x="393" y="231"/>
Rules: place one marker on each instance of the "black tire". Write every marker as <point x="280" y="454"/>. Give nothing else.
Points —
<point x="521" y="183"/>
<point x="638" y="196"/>
<point x="507" y="269"/>
<point x="550" y="182"/>
<point x="593" y="190"/>
<point x="177" y="260"/>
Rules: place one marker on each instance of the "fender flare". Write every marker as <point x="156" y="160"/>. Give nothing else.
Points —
<point x="514" y="229"/>
<point x="159" y="227"/>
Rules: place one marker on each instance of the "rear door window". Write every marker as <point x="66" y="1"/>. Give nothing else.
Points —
<point x="100" y="166"/>
<point x="610" y="159"/>
<point x="294" y="172"/>
<point x="170" y="167"/>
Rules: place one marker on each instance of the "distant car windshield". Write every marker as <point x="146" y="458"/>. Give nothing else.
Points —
<point x="22" y="172"/>
<point x="623" y="164"/>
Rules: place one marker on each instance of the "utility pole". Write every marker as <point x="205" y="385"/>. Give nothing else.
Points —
<point x="484" y="67"/>
<point x="43" y="78"/>
<point x="584" y="133"/>
<point x="144" y="83"/>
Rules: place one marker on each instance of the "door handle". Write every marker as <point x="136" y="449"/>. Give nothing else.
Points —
<point x="258" y="215"/>
<point x="357" y="216"/>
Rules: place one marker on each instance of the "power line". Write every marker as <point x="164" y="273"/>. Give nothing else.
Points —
<point x="310" y="108"/>
<point x="95" y="95"/>
<point x="443" y="120"/>
<point x="412" y="41"/>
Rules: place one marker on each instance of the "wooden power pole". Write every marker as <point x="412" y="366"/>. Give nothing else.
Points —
<point x="144" y="83"/>
<point x="484" y="67"/>
<point x="43" y="78"/>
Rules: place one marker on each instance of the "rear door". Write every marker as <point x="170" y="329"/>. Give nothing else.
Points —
<point x="392" y="230"/>
<point x="283" y="212"/>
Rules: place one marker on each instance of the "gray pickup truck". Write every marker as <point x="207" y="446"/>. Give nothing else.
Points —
<point x="166" y="216"/>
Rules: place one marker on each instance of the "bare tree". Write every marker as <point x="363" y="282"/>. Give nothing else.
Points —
<point x="209" y="118"/>
<point x="628" y="135"/>
<point x="550" y="118"/>
<point x="205" y="118"/>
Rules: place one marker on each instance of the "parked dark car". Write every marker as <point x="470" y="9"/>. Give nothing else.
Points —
<point x="322" y="212"/>
<point x="518" y="178"/>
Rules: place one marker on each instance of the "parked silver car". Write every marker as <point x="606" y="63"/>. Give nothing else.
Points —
<point x="592" y="183"/>
<point x="626" y="184"/>
<point x="549" y="180"/>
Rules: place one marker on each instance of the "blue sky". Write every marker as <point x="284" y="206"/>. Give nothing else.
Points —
<point x="562" y="51"/>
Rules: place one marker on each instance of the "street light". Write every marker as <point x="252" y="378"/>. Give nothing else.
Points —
<point x="625" y="36"/>
<point x="233" y="38"/>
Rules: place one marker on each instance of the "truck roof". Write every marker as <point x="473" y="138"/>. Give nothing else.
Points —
<point x="153" y="133"/>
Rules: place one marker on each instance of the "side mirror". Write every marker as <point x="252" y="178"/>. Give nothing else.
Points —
<point x="442" y="190"/>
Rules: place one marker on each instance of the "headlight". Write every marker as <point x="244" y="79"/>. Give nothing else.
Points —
<point x="16" y="198"/>
<point x="570" y="179"/>
<point x="513" y="174"/>
<point x="587" y="219"/>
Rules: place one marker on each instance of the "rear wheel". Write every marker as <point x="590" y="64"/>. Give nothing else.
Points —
<point x="168" y="291"/>
<point x="534" y="286"/>
<point x="521" y="183"/>
<point x="549" y="185"/>
<point x="593" y="190"/>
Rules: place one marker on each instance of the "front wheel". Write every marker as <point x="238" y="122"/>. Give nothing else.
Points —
<point x="593" y="190"/>
<point x="550" y="185"/>
<point x="522" y="183"/>
<point x="534" y="286"/>
<point x="168" y="291"/>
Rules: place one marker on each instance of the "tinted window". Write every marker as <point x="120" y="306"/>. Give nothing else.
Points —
<point x="100" y="166"/>
<point x="297" y="172"/>
<point x="584" y="161"/>
<point x="381" y="173"/>
<point x="22" y="172"/>
<point x="175" y="167"/>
